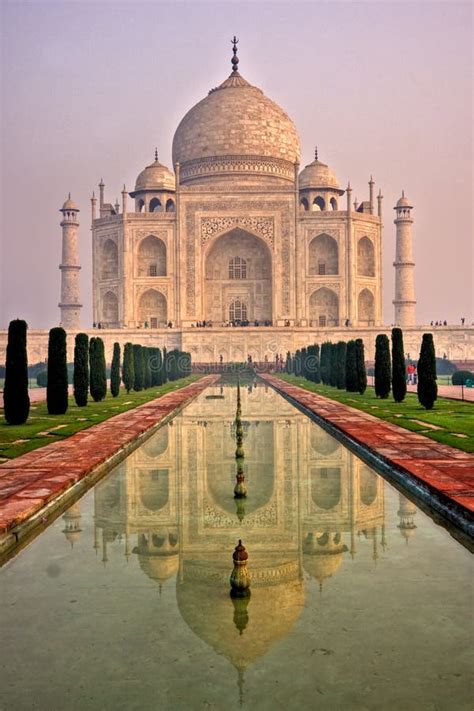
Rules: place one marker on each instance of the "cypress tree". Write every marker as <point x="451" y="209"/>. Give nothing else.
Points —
<point x="115" y="371"/>
<point x="138" y="367"/>
<point x="427" y="386"/>
<point x="57" y="388"/>
<point x="146" y="368"/>
<point x="317" y="366"/>
<point x="159" y="367"/>
<point x="16" y="401"/>
<point x="382" y="366"/>
<point x="288" y="364"/>
<point x="97" y="369"/>
<point x="325" y="364"/>
<point x="361" y="371"/>
<point x="81" y="369"/>
<point x="352" y="380"/>
<point x="333" y="365"/>
<point x="297" y="366"/>
<point x="341" y="365"/>
<point x="128" y="371"/>
<point x="304" y="363"/>
<point x="165" y="366"/>
<point x="399" y="378"/>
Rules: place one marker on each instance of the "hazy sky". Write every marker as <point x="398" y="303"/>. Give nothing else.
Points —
<point x="90" y="88"/>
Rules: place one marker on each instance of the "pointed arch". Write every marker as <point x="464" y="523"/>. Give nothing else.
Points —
<point x="319" y="204"/>
<point x="323" y="255"/>
<point x="365" y="257"/>
<point x="110" y="309"/>
<point x="170" y="206"/>
<point x="151" y="257"/>
<point x="109" y="260"/>
<point x="366" y="308"/>
<point x="152" y="309"/>
<point x="324" y="307"/>
<point x="155" y="205"/>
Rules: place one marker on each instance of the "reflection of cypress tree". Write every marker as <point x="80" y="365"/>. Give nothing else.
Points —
<point x="352" y="381"/>
<point x="128" y="371"/>
<point x="81" y="369"/>
<point x="399" y="380"/>
<point x="138" y="367"/>
<point x="427" y="387"/>
<point x="16" y="401"/>
<point x="115" y="371"/>
<point x="361" y="371"/>
<point x="57" y="388"/>
<point x="382" y="366"/>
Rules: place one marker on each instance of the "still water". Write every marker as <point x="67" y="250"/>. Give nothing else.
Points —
<point x="359" y="601"/>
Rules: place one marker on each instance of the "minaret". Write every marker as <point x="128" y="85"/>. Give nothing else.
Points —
<point x="404" y="300"/>
<point x="70" y="305"/>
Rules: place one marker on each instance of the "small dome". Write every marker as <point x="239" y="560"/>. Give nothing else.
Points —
<point x="70" y="204"/>
<point x="403" y="201"/>
<point x="159" y="567"/>
<point x="155" y="177"/>
<point x="318" y="175"/>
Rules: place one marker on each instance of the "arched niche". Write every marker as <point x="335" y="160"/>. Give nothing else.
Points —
<point x="333" y="203"/>
<point x="304" y="205"/>
<point x="326" y="487"/>
<point x="365" y="257"/>
<point x="109" y="260"/>
<point x="157" y="444"/>
<point x="368" y="486"/>
<point x="224" y="284"/>
<point x="366" y="308"/>
<point x="153" y="488"/>
<point x="170" y="206"/>
<point x="110" y="309"/>
<point x="151" y="257"/>
<point x="323" y="255"/>
<point x="140" y="205"/>
<point x="152" y="309"/>
<point x="324" y="307"/>
<point x="323" y="443"/>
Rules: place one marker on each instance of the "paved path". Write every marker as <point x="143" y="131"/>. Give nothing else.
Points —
<point x="443" y="470"/>
<point x="31" y="481"/>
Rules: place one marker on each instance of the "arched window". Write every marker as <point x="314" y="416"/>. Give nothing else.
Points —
<point x="141" y="206"/>
<point x="238" y="311"/>
<point x="151" y="257"/>
<point x="237" y="268"/>
<point x="152" y="309"/>
<point x="333" y="203"/>
<point x="365" y="257"/>
<point x="109" y="261"/>
<point x="324" y="307"/>
<point x="170" y="205"/>
<point x="318" y="204"/>
<point x="155" y="205"/>
<point x="323" y="255"/>
<point x="304" y="205"/>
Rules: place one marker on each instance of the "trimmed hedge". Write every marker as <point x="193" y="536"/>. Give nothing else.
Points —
<point x="16" y="401"/>
<point x="382" y="366"/>
<point x="57" y="388"/>
<point x="460" y="377"/>
<point x="399" y="376"/>
<point x="115" y="371"/>
<point x="361" y="371"/>
<point x="98" y="376"/>
<point x="427" y="387"/>
<point x="138" y="368"/>
<point x="81" y="369"/>
<point x="128" y="370"/>
<point x="352" y="381"/>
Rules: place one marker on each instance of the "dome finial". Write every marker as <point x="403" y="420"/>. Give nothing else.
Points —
<point x="316" y="153"/>
<point x="156" y="155"/>
<point x="235" y="59"/>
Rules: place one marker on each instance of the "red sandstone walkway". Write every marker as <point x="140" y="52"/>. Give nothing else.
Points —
<point x="31" y="481"/>
<point x="443" y="469"/>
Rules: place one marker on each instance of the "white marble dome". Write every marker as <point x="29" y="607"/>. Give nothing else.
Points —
<point x="318" y="175"/>
<point x="236" y="129"/>
<point x="155" y="176"/>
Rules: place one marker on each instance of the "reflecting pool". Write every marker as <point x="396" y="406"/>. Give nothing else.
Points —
<point x="358" y="600"/>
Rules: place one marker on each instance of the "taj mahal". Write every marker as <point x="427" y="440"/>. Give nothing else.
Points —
<point x="238" y="235"/>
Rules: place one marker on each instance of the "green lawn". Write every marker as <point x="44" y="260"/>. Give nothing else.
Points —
<point x="41" y="428"/>
<point x="451" y="416"/>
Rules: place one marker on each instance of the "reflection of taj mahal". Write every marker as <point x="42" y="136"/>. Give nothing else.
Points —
<point x="309" y="502"/>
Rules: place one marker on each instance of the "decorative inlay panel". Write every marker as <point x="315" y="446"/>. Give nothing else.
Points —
<point x="263" y="226"/>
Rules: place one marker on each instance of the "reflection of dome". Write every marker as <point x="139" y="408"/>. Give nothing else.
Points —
<point x="272" y="611"/>
<point x="159" y="567"/>
<point x="323" y="553"/>
<point x="238" y="125"/>
<point x="155" y="177"/>
<point x="318" y="175"/>
<point x="158" y="553"/>
<point x="72" y="528"/>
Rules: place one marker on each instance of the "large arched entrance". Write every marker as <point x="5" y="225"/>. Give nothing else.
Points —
<point x="238" y="279"/>
<point x="152" y="309"/>
<point x="324" y="308"/>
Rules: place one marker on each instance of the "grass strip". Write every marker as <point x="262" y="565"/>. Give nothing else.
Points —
<point x="40" y="428"/>
<point x="453" y="417"/>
